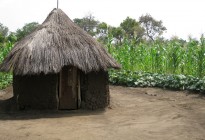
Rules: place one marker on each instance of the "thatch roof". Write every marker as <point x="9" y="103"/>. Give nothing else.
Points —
<point x="55" y="43"/>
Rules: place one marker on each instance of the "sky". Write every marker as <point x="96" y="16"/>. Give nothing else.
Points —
<point x="182" y="18"/>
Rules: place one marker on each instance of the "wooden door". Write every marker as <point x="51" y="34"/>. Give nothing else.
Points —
<point x="68" y="94"/>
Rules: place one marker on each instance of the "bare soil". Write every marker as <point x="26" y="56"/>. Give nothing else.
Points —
<point x="134" y="114"/>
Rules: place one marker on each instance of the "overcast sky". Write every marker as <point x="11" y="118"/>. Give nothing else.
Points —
<point x="181" y="17"/>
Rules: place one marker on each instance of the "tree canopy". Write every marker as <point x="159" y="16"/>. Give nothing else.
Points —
<point x="88" y="23"/>
<point x="26" y="29"/>
<point x="3" y="30"/>
<point x="146" y="28"/>
<point x="153" y="28"/>
<point x="132" y="28"/>
<point x="3" y="34"/>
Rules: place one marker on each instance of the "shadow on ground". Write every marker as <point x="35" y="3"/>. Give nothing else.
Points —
<point x="9" y="111"/>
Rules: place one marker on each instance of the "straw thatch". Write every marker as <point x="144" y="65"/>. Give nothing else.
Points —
<point x="54" y="44"/>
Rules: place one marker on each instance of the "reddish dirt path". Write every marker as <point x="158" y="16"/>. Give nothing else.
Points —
<point x="135" y="114"/>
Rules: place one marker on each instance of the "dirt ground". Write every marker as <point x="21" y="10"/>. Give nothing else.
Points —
<point x="134" y="114"/>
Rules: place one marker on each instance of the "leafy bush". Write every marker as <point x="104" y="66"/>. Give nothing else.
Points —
<point x="5" y="78"/>
<point x="146" y="79"/>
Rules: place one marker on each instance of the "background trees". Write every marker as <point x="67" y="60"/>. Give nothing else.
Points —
<point x="25" y="30"/>
<point x="88" y="23"/>
<point x="147" y="28"/>
<point x="3" y="33"/>
<point x="132" y="28"/>
<point x="153" y="28"/>
<point x="3" y="30"/>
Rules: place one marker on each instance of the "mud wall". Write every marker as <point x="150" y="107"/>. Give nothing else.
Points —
<point x="36" y="91"/>
<point x="94" y="90"/>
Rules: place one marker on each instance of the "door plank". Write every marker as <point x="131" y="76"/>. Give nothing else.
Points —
<point x="68" y="88"/>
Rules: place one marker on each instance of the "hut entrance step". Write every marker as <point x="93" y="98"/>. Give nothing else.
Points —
<point x="68" y="88"/>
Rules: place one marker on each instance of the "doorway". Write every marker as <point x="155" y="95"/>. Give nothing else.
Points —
<point x="68" y="88"/>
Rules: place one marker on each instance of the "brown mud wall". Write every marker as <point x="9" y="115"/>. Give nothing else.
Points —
<point x="94" y="90"/>
<point x="36" y="91"/>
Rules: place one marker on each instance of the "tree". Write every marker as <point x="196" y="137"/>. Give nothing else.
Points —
<point x="88" y="23"/>
<point x="3" y="30"/>
<point x="177" y="39"/>
<point x="117" y="33"/>
<point x="11" y="37"/>
<point x="102" y="32"/>
<point x="27" y="29"/>
<point x="3" y="34"/>
<point x="132" y="28"/>
<point x="2" y="39"/>
<point x="153" y="28"/>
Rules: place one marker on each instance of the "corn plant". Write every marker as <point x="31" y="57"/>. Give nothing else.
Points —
<point x="169" y="57"/>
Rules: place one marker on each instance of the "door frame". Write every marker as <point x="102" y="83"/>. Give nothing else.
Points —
<point x="78" y="94"/>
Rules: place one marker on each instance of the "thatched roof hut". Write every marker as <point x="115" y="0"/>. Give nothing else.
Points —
<point x="58" y="58"/>
<point x="56" y="43"/>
